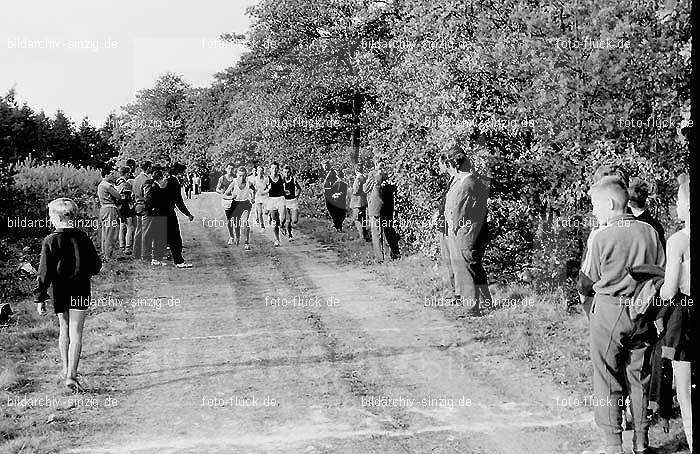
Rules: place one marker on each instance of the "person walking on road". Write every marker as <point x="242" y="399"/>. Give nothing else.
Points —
<point x="197" y="185"/>
<point x="380" y="211"/>
<point x="261" y="202"/>
<point x="276" y="200"/>
<point x="292" y="190"/>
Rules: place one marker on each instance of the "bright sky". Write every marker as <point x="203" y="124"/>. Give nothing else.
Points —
<point x="90" y="57"/>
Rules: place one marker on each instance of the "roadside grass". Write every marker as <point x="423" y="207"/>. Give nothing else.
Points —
<point x="521" y="325"/>
<point x="30" y="366"/>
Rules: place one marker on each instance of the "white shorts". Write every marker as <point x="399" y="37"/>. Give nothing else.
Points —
<point x="261" y="198"/>
<point x="292" y="204"/>
<point x="276" y="203"/>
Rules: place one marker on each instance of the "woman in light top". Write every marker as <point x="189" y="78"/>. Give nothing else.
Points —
<point x="676" y="313"/>
<point x="241" y="192"/>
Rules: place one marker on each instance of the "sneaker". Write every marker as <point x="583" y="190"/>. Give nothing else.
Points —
<point x="183" y="265"/>
<point x="277" y="243"/>
<point x="246" y="247"/>
<point x="291" y="237"/>
<point x="230" y="241"/>
<point x="157" y="263"/>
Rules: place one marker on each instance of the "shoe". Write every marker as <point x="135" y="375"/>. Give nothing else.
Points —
<point x="291" y="238"/>
<point x="157" y="263"/>
<point x="183" y="265"/>
<point x="246" y="247"/>
<point x="277" y="244"/>
<point x="230" y="241"/>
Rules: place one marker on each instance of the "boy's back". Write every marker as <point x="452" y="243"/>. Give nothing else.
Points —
<point x="624" y="242"/>
<point x="68" y="261"/>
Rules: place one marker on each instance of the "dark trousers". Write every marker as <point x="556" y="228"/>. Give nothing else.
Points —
<point x="360" y="217"/>
<point x="620" y="351"/>
<point x="174" y="237"/>
<point x="154" y="237"/>
<point x="337" y="214"/>
<point x="383" y="229"/>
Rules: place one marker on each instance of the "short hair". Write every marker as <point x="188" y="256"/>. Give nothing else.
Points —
<point x="614" y="187"/>
<point x="125" y="171"/>
<point x="457" y="158"/>
<point x="230" y="164"/>
<point x="242" y="169"/>
<point x="131" y="163"/>
<point x="106" y="171"/>
<point x="274" y="163"/>
<point x="63" y="208"/>
<point x="341" y="174"/>
<point x="611" y="170"/>
<point x="158" y="172"/>
<point x="684" y="186"/>
<point x="638" y="192"/>
<point x="288" y="167"/>
<point x="146" y="166"/>
<point x="177" y="168"/>
<point x="359" y="167"/>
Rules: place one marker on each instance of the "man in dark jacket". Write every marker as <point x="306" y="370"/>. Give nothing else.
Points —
<point x="174" y="199"/>
<point x="328" y="181"/>
<point x="339" y="195"/>
<point x="639" y="191"/>
<point x="142" y="225"/>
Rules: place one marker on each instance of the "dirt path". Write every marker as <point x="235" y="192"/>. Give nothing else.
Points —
<point x="360" y="367"/>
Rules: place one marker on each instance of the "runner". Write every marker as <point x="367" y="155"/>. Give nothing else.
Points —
<point x="292" y="189"/>
<point x="276" y="203"/>
<point x="261" y="198"/>
<point x="241" y="191"/>
<point x="227" y="200"/>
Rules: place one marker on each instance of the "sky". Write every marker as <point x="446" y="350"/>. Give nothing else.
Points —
<point x="90" y="57"/>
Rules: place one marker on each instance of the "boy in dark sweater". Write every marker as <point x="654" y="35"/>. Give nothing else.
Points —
<point x="68" y="261"/>
<point x="620" y="338"/>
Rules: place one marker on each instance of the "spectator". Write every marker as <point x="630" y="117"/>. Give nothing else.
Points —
<point x="339" y="196"/>
<point x="380" y="211"/>
<point x="127" y="214"/>
<point x="174" y="198"/>
<point x="108" y="198"/>
<point x="638" y="192"/>
<point x="330" y="178"/>
<point x="142" y="221"/>
<point x="156" y="203"/>
<point x="358" y="203"/>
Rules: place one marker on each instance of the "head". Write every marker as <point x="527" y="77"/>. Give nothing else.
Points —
<point x="341" y="174"/>
<point x="242" y="172"/>
<point x="260" y="171"/>
<point x="327" y="165"/>
<point x="455" y="160"/>
<point x="109" y="174"/>
<point x="130" y="163"/>
<point x="177" y="169"/>
<point x="159" y="175"/>
<point x="683" y="201"/>
<point x="359" y="169"/>
<point x="230" y="169"/>
<point x="609" y="197"/>
<point x="638" y="192"/>
<point x="63" y="212"/>
<point x="611" y="170"/>
<point x="146" y="167"/>
<point x="287" y="171"/>
<point x="125" y="172"/>
<point x="274" y="169"/>
<point x="378" y="162"/>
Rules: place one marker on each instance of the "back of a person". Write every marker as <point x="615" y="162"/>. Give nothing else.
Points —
<point x="74" y="263"/>
<point x="374" y="196"/>
<point x="359" y="199"/>
<point x="623" y="243"/>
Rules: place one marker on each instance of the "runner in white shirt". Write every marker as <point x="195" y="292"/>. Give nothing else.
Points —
<point x="242" y="192"/>
<point x="227" y="199"/>
<point x="260" y="182"/>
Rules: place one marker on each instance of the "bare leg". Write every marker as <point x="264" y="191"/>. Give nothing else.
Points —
<point x="229" y="223"/>
<point x="77" y="321"/>
<point x="63" y="340"/>
<point x="681" y="373"/>
<point x="276" y="223"/>
<point x="246" y="226"/>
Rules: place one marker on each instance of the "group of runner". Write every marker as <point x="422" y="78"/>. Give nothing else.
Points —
<point x="272" y="199"/>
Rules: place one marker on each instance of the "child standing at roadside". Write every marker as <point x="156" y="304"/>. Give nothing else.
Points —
<point x="68" y="261"/>
<point x="619" y="339"/>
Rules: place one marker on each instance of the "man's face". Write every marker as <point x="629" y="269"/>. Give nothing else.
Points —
<point x="241" y="173"/>
<point x="274" y="170"/>
<point x="286" y="172"/>
<point x="229" y="170"/>
<point x="441" y="166"/>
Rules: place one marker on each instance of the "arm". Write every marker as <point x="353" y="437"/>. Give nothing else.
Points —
<point x="229" y="190"/>
<point x="369" y="183"/>
<point x="45" y="273"/>
<point x="114" y="193"/>
<point x="673" y="269"/>
<point x="177" y="193"/>
<point x="220" y="185"/>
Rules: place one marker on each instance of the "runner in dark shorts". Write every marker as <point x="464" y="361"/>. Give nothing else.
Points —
<point x="241" y="191"/>
<point x="227" y="200"/>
